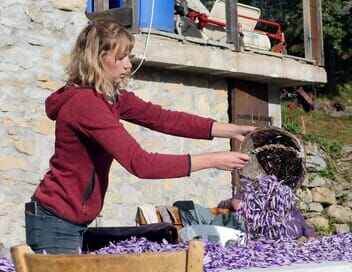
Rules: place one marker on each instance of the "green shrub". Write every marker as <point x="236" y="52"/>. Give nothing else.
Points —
<point x="344" y="197"/>
<point x="322" y="231"/>
<point x="292" y="127"/>
<point x="350" y="225"/>
<point x="332" y="147"/>
<point x="328" y="172"/>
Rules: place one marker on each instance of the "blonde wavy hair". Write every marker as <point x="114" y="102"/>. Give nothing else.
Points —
<point x="95" y="40"/>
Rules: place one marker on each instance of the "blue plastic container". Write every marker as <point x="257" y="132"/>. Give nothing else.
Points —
<point x="163" y="18"/>
<point x="89" y="6"/>
<point x="112" y="4"/>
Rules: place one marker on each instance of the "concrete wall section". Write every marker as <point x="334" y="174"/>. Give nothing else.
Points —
<point x="273" y="68"/>
<point x="274" y="109"/>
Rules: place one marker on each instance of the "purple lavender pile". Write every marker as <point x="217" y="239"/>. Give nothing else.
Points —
<point x="138" y="245"/>
<point x="6" y="265"/>
<point x="266" y="205"/>
<point x="268" y="253"/>
<point x="259" y="253"/>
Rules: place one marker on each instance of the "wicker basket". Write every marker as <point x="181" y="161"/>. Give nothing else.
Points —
<point x="274" y="151"/>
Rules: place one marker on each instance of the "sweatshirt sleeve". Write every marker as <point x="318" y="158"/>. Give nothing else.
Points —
<point x="95" y="119"/>
<point x="135" y="110"/>
<point x="225" y="204"/>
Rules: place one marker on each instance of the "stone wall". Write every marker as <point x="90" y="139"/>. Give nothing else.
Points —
<point x="37" y="37"/>
<point x="327" y="202"/>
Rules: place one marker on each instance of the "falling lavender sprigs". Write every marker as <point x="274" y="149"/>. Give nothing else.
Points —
<point x="266" y="205"/>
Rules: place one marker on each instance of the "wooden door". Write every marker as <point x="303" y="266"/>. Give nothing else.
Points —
<point x="248" y="106"/>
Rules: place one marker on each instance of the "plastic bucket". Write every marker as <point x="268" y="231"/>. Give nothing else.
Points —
<point x="163" y="18"/>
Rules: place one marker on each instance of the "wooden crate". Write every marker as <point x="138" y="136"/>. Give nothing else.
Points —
<point x="176" y="212"/>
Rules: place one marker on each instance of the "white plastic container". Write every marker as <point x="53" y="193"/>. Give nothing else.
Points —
<point x="218" y="13"/>
<point x="223" y="235"/>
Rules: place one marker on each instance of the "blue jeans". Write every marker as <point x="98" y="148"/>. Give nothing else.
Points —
<point x="46" y="231"/>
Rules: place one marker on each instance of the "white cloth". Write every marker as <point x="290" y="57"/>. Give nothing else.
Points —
<point x="149" y="213"/>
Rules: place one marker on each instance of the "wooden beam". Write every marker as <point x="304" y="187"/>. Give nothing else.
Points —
<point x="101" y="5"/>
<point x="317" y="32"/>
<point x="123" y="16"/>
<point x="307" y="30"/>
<point x="313" y="31"/>
<point x="133" y="4"/>
<point x="232" y="35"/>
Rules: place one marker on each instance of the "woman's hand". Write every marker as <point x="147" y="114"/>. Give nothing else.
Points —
<point x="227" y="160"/>
<point x="235" y="203"/>
<point x="226" y="130"/>
<point x="311" y="238"/>
<point x="242" y="131"/>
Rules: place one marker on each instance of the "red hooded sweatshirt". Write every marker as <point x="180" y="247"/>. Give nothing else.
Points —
<point x="89" y="135"/>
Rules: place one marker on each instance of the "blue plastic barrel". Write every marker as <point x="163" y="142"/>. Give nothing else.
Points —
<point x="163" y="18"/>
<point x="90" y="5"/>
<point x="112" y="4"/>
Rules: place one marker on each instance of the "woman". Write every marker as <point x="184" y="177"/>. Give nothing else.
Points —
<point x="89" y="136"/>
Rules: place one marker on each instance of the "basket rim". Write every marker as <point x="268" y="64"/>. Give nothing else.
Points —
<point x="296" y="142"/>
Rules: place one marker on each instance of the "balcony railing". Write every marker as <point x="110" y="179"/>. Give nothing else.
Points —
<point x="313" y="37"/>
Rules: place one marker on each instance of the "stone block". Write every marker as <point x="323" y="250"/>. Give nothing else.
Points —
<point x="43" y="125"/>
<point x="302" y="206"/>
<point x="315" y="207"/>
<point x="317" y="181"/>
<point x="25" y="147"/>
<point x="20" y="121"/>
<point x="7" y="122"/>
<point x="342" y="228"/>
<point x="315" y="163"/>
<point x="304" y="195"/>
<point x="5" y="142"/>
<point x="51" y="85"/>
<point x="10" y="162"/>
<point x="311" y="149"/>
<point x="318" y="221"/>
<point x="339" y="213"/>
<point x="70" y="5"/>
<point x="346" y="152"/>
<point x="323" y="195"/>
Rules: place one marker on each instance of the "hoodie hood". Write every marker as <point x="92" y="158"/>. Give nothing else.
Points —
<point x="56" y="100"/>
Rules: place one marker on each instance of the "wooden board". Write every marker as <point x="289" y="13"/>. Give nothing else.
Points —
<point x="249" y="106"/>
